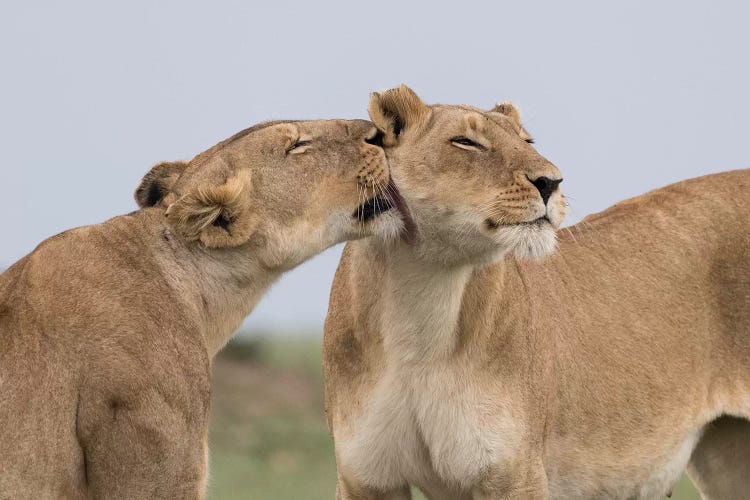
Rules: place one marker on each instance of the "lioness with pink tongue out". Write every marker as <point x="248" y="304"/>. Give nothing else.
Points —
<point x="107" y="331"/>
<point x="458" y="361"/>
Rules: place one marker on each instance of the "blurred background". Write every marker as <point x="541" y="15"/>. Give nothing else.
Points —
<point x="624" y="97"/>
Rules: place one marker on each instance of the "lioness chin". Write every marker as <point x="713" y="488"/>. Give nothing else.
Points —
<point x="456" y="364"/>
<point x="107" y="332"/>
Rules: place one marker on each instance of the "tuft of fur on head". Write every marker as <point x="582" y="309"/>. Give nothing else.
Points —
<point x="511" y="111"/>
<point x="158" y="182"/>
<point x="218" y="216"/>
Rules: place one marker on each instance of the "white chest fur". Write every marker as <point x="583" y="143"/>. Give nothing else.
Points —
<point x="427" y="428"/>
<point x="428" y="421"/>
<point x="425" y="422"/>
<point x="433" y="430"/>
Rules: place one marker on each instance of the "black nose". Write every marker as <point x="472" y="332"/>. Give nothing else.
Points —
<point x="546" y="186"/>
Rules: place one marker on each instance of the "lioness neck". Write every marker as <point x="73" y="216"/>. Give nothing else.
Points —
<point x="230" y="288"/>
<point x="421" y="306"/>
<point x="220" y="287"/>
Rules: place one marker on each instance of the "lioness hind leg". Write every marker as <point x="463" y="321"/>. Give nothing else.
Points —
<point x="720" y="463"/>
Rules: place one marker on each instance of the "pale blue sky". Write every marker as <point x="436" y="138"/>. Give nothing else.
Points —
<point x="623" y="97"/>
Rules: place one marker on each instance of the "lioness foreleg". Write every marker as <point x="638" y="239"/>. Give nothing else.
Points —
<point x="348" y="490"/>
<point x="502" y="484"/>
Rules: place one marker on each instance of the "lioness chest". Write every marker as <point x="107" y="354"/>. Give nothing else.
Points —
<point x="429" y="428"/>
<point x="438" y="431"/>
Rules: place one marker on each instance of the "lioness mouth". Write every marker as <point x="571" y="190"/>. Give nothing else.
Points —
<point x="372" y="208"/>
<point x="391" y="199"/>
<point x="540" y="221"/>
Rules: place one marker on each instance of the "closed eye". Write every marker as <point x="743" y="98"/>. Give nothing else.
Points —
<point x="466" y="143"/>
<point x="298" y="147"/>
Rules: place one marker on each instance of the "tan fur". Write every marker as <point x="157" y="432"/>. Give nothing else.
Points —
<point x="193" y="214"/>
<point x="107" y="331"/>
<point x="457" y="364"/>
<point x="156" y="184"/>
<point x="396" y="110"/>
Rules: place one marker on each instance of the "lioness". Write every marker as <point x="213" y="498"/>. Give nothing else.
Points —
<point x="107" y="331"/>
<point x="455" y="363"/>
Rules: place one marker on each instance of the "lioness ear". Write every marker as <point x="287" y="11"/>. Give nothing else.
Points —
<point x="396" y="110"/>
<point x="158" y="182"/>
<point x="509" y="110"/>
<point x="218" y="215"/>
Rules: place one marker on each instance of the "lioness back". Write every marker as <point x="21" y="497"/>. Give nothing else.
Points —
<point x="83" y="342"/>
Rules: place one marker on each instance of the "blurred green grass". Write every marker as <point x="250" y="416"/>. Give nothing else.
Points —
<point x="268" y="436"/>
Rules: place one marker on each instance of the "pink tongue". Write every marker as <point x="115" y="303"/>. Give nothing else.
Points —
<point x="410" y="232"/>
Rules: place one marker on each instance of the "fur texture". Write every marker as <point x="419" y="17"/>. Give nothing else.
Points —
<point x="218" y="216"/>
<point x="457" y="364"/>
<point x="158" y="182"/>
<point x="107" y="332"/>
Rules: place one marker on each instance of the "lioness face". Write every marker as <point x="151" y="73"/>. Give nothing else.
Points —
<point x="472" y="186"/>
<point x="293" y="188"/>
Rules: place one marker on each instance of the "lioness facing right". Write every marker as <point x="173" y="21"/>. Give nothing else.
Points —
<point x="107" y="331"/>
<point x="456" y="364"/>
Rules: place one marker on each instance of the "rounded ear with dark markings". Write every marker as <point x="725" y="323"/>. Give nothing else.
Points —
<point x="509" y="110"/>
<point x="218" y="215"/>
<point x="395" y="111"/>
<point x="158" y="183"/>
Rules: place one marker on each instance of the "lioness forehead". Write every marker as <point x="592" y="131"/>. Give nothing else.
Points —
<point x="448" y="112"/>
<point x="316" y="127"/>
<point x="258" y="126"/>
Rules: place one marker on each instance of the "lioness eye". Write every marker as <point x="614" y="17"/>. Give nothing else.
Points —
<point x="297" y="145"/>
<point x="467" y="143"/>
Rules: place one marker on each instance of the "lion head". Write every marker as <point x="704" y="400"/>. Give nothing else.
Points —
<point x="469" y="184"/>
<point x="289" y="189"/>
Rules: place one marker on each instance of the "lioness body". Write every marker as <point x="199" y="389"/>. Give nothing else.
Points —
<point x="105" y="371"/>
<point x="593" y="373"/>
<point x="107" y="332"/>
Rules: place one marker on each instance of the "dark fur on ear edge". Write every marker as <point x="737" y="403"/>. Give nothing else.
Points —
<point x="218" y="215"/>
<point x="158" y="182"/>
<point x="396" y="110"/>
